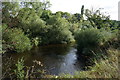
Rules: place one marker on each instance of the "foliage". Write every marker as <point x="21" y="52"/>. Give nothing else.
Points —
<point x="32" y="26"/>
<point x="65" y="15"/>
<point x="16" y="40"/>
<point x="1" y="51"/>
<point x="97" y="19"/>
<point x="46" y="15"/>
<point x="88" y="37"/>
<point x="19" y="71"/>
<point x="36" y="5"/>
<point x="91" y="37"/>
<point x="115" y="42"/>
<point x="9" y="12"/>
<point x="77" y="17"/>
<point x="74" y="27"/>
<point x="34" y="20"/>
<point x="35" y="41"/>
<point x="59" y="30"/>
<point x="46" y="4"/>
<point x="119" y="36"/>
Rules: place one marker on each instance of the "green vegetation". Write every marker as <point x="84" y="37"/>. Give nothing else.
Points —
<point x="92" y="38"/>
<point x="20" y="69"/>
<point x="59" y="30"/>
<point x="89" y="38"/>
<point x="28" y="24"/>
<point x="15" y="40"/>
<point x="38" y="24"/>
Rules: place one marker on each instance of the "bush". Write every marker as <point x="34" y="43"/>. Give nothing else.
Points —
<point x="91" y="38"/>
<point x="16" y="40"/>
<point x="88" y="38"/>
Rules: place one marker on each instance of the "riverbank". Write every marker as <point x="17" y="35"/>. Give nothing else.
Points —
<point x="107" y="67"/>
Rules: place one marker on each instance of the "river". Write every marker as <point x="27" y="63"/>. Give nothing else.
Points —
<point x="56" y="59"/>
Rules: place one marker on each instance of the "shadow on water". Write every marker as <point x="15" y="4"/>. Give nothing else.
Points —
<point x="88" y="56"/>
<point x="56" y="59"/>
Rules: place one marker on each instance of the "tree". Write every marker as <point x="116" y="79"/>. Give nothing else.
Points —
<point x="9" y="12"/>
<point x="59" y="30"/>
<point x="31" y="25"/>
<point x="37" y="6"/>
<point x="97" y="19"/>
<point x="46" y="15"/>
<point x="15" y="40"/>
<point x="46" y="4"/>
<point x="77" y="17"/>
<point x="82" y="13"/>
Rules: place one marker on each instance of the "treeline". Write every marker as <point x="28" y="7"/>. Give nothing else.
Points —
<point x="28" y="24"/>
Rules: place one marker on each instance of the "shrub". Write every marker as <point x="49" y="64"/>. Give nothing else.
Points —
<point x="16" y="40"/>
<point x="88" y="38"/>
<point x="91" y="38"/>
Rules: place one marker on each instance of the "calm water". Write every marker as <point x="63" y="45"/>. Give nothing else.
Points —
<point x="56" y="59"/>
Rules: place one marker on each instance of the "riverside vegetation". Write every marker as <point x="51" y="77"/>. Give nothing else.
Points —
<point x="29" y="24"/>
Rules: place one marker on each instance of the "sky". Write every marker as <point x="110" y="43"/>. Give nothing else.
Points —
<point x="74" y="6"/>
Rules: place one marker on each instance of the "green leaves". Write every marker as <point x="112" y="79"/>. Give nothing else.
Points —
<point x="19" y="71"/>
<point x="9" y="11"/>
<point x="59" y="30"/>
<point x="16" y="40"/>
<point x="46" y="15"/>
<point x="92" y="38"/>
<point x="97" y="19"/>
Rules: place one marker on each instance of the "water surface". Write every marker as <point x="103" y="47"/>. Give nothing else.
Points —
<point x="56" y="59"/>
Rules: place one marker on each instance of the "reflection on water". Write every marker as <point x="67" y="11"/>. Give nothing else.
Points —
<point x="55" y="58"/>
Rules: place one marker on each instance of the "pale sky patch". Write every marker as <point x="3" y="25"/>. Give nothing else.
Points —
<point x="74" y="6"/>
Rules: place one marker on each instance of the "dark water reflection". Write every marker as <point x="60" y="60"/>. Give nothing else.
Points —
<point x="56" y="59"/>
